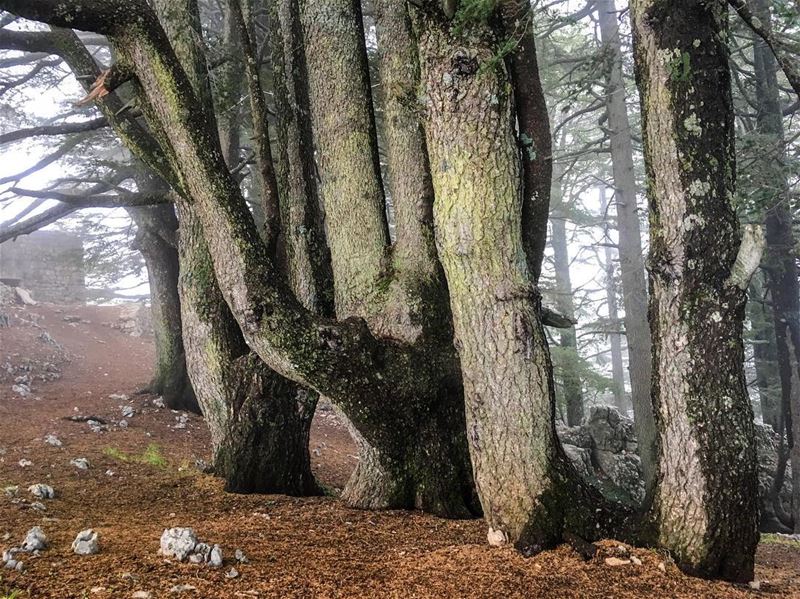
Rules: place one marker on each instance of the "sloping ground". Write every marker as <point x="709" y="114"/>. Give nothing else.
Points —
<point x="143" y="479"/>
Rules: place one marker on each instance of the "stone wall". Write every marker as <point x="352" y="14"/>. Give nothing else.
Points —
<point x="48" y="263"/>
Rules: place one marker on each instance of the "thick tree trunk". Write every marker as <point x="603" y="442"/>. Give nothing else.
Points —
<point x="705" y="500"/>
<point x="781" y="259"/>
<point x="170" y="379"/>
<point x="529" y="493"/>
<point x="631" y="255"/>
<point x="259" y="421"/>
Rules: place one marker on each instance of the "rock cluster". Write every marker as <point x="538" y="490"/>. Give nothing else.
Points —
<point x="35" y="541"/>
<point x="604" y="450"/>
<point x="182" y="544"/>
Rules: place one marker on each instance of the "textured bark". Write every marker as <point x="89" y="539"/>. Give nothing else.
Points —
<point x="631" y="255"/>
<point x="228" y="90"/>
<point x="781" y="259"/>
<point x="267" y="179"/>
<point x="528" y="491"/>
<point x="308" y="260"/>
<point x="259" y="421"/>
<point x="170" y="379"/>
<point x="705" y="500"/>
<point x="344" y="134"/>
<point x="533" y="136"/>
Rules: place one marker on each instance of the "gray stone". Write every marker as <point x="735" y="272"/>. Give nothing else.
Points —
<point x="577" y="436"/>
<point x="582" y="460"/>
<point x="609" y="430"/>
<point x="127" y="412"/>
<point x="53" y="440"/>
<point x="215" y="558"/>
<point x="42" y="491"/>
<point x="35" y="540"/>
<point x="86" y="543"/>
<point x="240" y="556"/>
<point x="178" y="543"/>
<point x="142" y="595"/>
<point x="232" y="573"/>
<point x="80" y="463"/>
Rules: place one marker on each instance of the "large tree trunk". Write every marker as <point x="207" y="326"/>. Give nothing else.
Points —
<point x="781" y="259"/>
<point x="170" y="379"/>
<point x="259" y="421"/>
<point x="631" y="255"/>
<point x="705" y="500"/>
<point x="529" y="492"/>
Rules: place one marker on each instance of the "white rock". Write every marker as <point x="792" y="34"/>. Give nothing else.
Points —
<point x="86" y="543"/>
<point x="178" y="543"/>
<point x="35" y="540"/>
<point x="496" y="537"/>
<point x="95" y="426"/>
<point x="42" y="491"/>
<point x="127" y="412"/>
<point x="159" y="402"/>
<point x="80" y="463"/>
<point x="240" y="556"/>
<point x="21" y="389"/>
<point x="53" y="440"/>
<point x="118" y="397"/>
<point x="233" y="573"/>
<point x="123" y="423"/>
<point x="38" y="506"/>
<point x="215" y="559"/>
<point x="24" y="463"/>
<point x="11" y="490"/>
<point x="142" y="595"/>
<point x="755" y="585"/>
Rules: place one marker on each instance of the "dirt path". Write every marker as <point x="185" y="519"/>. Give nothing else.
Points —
<point x="143" y="479"/>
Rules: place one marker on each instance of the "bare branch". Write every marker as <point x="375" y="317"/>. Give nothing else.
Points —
<point x="63" y="129"/>
<point x="784" y="53"/>
<point x="65" y="148"/>
<point x="31" y="225"/>
<point x="119" y="200"/>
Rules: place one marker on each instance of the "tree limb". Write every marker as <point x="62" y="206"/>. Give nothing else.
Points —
<point x="99" y="16"/>
<point x="63" y="129"/>
<point x="786" y="56"/>
<point x="120" y="200"/>
<point x="31" y="225"/>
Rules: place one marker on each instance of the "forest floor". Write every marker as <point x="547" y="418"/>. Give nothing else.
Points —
<point x="143" y="479"/>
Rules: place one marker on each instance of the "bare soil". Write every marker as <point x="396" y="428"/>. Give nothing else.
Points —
<point x="297" y="547"/>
